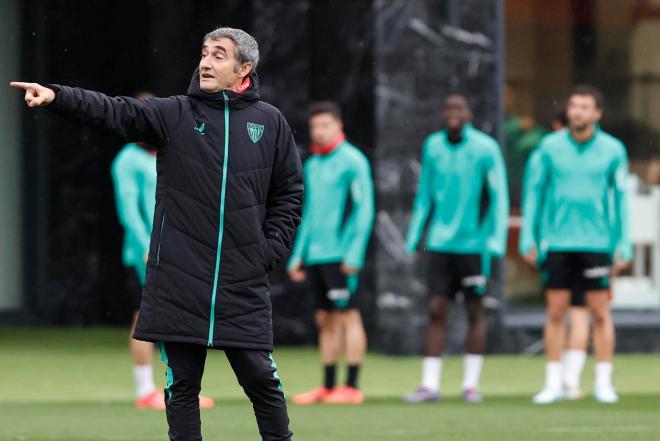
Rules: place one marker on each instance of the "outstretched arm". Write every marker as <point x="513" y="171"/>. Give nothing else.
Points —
<point x="149" y="120"/>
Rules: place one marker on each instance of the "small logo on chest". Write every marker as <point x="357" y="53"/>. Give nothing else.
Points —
<point x="255" y="131"/>
<point x="200" y="128"/>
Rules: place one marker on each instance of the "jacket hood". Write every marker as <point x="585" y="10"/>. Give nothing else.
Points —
<point x="236" y="100"/>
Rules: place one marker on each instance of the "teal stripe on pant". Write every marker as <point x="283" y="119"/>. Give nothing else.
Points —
<point x="169" y="376"/>
<point x="353" y="281"/>
<point x="256" y="373"/>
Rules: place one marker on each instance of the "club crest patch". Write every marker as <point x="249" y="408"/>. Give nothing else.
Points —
<point x="255" y="131"/>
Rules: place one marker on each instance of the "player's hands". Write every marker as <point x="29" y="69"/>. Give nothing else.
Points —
<point x="348" y="270"/>
<point x="414" y="257"/>
<point x="297" y="273"/>
<point x="532" y="256"/>
<point x="146" y="256"/>
<point x="619" y="265"/>
<point x="36" y="95"/>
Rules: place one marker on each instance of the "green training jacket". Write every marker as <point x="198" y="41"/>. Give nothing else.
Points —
<point x="328" y="233"/>
<point x="575" y="196"/>
<point x="465" y="186"/>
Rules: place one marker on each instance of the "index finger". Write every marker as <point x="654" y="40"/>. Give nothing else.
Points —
<point x="20" y="85"/>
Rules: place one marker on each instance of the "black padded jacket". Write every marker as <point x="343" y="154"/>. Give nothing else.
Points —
<point x="228" y="202"/>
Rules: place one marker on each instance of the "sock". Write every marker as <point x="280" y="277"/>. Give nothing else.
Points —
<point x="431" y="373"/>
<point x="144" y="379"/>
<point x="553" y="374"/>
<point x="353" y="371"/>
<point x="330" y="375"/>
<point x="472" y="364"/>
<point x="573" y="363"/>
<point x="604" y="374"/>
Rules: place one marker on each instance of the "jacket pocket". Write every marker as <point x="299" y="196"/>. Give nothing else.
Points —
<point x="161" y="237"/>
<point x="265" y="254"/>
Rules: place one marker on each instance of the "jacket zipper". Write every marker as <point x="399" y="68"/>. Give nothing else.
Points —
<point x="223" y="189"/>
<point x="160" y="240"/>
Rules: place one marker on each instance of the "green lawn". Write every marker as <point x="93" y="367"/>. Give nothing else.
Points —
<point x="71" y="385"/>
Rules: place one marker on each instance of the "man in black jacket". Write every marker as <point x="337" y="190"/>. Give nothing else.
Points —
<point x="229" y="196"/>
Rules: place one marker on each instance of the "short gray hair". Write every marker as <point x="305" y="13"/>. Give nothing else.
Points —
<point x="247" y="49"/>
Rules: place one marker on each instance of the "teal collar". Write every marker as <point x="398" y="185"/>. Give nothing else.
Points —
<point x="583" y="145"/>
<point x="465" y="134"/>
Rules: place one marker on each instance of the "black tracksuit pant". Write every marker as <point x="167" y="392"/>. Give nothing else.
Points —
<point x="256" y="373"/>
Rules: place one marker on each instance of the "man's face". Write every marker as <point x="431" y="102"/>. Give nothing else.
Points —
<point x="218" y="68"/>
<point x="455" y="112"/>
<point x="324" y="128"/>
<point x="582" y="112"/>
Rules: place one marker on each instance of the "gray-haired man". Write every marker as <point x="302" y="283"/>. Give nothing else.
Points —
<point x="229" y="197"/>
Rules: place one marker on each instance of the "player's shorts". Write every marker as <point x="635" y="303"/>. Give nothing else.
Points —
<point x="578" y="297"/>
<point x="333" y="290"/>
<point x="133" y="287"/>
<point x="451" y="273"/>
<point x="577" y="271"/>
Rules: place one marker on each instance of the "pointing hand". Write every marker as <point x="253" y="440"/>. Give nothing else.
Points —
<point x="36" y="95"/>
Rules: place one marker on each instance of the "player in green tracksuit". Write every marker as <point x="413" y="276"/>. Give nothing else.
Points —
<point x="463" y="184"/>
<point x="330" y="248"/>
<point x="575" y="220"/>
<point x="574" y="356"/>
<point x="134" y="178"/>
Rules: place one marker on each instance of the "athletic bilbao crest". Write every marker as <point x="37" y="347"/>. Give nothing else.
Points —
<point x="255" y="131"/>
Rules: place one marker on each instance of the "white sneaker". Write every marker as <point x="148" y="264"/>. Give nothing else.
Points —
<point x="606" y="395"/>
<point x="573" y="393"/>
<point x="549" y="395"/>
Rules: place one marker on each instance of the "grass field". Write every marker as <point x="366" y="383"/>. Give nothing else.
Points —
<point x="73" y="385"/>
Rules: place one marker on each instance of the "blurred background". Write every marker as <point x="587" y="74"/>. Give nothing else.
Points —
<point x="389" y="64"/>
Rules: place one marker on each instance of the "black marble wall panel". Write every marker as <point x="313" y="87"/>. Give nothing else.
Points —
<point x="282" y="29"/>
<point x="316" y="50"/>
<point x="424" y="50"/>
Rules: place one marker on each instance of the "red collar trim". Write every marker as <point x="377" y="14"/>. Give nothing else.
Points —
<point x="245" y="85"/>
<point x="324" y="150"/>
